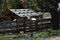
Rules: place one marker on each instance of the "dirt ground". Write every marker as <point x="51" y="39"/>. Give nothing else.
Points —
<point x="53" y="38"/>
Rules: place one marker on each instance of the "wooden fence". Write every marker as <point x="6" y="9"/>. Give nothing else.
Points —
<point x="24" y="25"/>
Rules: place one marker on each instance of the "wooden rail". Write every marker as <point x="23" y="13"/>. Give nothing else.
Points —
<point x="25" y="26"/>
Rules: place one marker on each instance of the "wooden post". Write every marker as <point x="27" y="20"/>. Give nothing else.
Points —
<point x="24" y="26"/>
<point x="36" y="24"/>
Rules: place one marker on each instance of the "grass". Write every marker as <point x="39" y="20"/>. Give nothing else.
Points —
<point x="11" y="37"/>
<point x="43" y="33"/>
